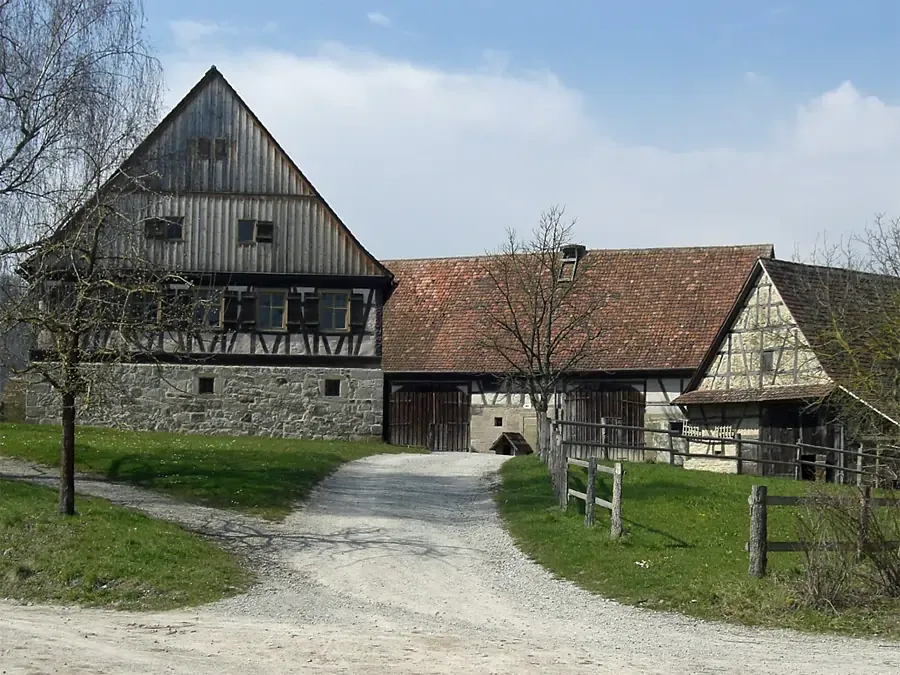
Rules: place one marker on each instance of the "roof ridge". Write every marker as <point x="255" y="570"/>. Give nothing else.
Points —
<point x="721" y="247"/>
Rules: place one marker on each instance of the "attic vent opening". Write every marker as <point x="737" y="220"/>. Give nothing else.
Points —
<point x="571" y="254"/>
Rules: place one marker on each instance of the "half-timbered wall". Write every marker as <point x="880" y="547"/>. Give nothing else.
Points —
<point x="764" y="348"/>
<point x="240" y="334"/>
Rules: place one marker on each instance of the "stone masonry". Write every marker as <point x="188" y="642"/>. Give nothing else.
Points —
<point x="297" y="402"/>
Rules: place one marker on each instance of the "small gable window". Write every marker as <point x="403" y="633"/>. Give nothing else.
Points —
<point x="208" y="149"/>
<point x="255" y="231"/>
<point x="768" y="360"/>
<point x="168" y="228"/>
<point x="334" y="311"/>
<point x="570" y="254"/>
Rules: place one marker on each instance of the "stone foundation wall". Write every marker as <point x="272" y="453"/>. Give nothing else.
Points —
<point x="298" y="402"/>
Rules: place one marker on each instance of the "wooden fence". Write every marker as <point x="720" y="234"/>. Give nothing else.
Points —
<point x="590" y="497"/>
<point x="759" y="545"/>
<point x="880" y="466"/>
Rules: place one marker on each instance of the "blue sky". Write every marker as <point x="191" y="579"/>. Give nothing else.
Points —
<point x="431" y="126"/>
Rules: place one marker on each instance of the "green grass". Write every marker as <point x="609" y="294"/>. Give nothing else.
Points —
<point x="266" y="477"/>
<point x="105" y="556"/>
<point x="683" y="550"/>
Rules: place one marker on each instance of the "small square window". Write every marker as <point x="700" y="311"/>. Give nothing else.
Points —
<point x="206" y="385"/>
<point x="246" y="231"/>
<point x="265" y="231"/>
<point x="221" y="148"/>
<point x="498" y="421"/>
<point x="169" y="228"/>
<point x="676" y="427"/>
<point x="768" y="361"/>
<point x="203" y="148"/>
<point x="332" y="387"/>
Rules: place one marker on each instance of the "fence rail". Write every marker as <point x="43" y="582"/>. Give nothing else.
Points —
<point x="759" y="545"/>
<point x="590" y="497"/>
<point x="882" y="464"/>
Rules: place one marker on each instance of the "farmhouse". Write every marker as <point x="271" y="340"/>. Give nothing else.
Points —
<point x="288" y="341"/>
<point x="774" y="369"/>
<point x="445" y="391"/>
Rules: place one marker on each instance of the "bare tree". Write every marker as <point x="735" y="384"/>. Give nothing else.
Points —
<point x="854" y="301"/>
<point x="540" y="318"/>
<point x="78" y="92"/>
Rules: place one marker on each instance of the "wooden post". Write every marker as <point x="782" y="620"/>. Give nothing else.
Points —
<point x="671" y="448"/>
<point x="590" y="492"/>
<point x="865" y="512"/>
<point x="738" y="452"/>
<point x="798" y="471"/>
<point x="758" y="531"/>
<point x="604" y="435"/>
<point x="841" y="477"/>
<point x="615" y="528"/>
<point x="878" y="467"/>
<point x="859" y="466"/>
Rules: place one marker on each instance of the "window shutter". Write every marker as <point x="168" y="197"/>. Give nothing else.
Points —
<point x="294" y="312"/>
<point x="311" y="310"/>
<point x="230" y="318"/>
<point x="248" y="310"/>
<point x="357" y="309"/>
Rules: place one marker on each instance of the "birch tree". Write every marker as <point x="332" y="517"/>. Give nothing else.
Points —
<point x="78" y="91"/>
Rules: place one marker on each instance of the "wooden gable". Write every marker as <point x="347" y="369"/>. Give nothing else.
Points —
<point x="213" y="163"/>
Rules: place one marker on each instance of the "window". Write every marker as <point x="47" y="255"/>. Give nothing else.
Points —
<point x="498" y="421"/>
<point x="334" y="311"/>
<point x="206" y="385"/>
<point x="208" y="149"/>
<point x="256" y="231"/>
<point x="208" y="309"/>
<point x="168" y="228"/>
<point x="270" y="310"/>
<point x="768" y="361"/>
<point x="571" y="254"/>
<point x="676" y="427"/>
<point x="332" y="387"/>
<point x="246" y="231"/>
<point x="265" y="231"/>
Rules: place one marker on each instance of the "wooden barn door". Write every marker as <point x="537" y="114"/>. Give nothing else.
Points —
<point x="437" y="420"/>
<point x="620" y="406"/>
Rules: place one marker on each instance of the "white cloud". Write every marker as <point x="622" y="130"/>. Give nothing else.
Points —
<point x="187" y="31"/>
<point x="379" y="19"/>
<point x="420" y="161"/>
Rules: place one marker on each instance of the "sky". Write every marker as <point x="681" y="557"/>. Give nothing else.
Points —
<point x="432" y="126"/>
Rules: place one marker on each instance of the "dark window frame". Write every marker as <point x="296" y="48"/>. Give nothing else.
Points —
<point x="328" y="389"/>
<point x="328" y="308"/>
<point x="498" y="421"/>
<point x="164" y="228"/>
<point x="261" y="306"/>
<point x="260" y="231"/>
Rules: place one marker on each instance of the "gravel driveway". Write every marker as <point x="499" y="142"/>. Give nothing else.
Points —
<point x="398" y="563"/>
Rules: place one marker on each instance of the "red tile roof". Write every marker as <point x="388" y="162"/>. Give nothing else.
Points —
<point x="669" y="303"/>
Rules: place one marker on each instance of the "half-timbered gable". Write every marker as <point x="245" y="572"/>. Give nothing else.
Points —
<point x="766" y="375"/>
<point x="286" y="301"/>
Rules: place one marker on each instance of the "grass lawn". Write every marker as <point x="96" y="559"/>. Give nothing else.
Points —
<point x="261" y="476"/>
<point x="684" y="547"/>
<point x="105" y="556"/>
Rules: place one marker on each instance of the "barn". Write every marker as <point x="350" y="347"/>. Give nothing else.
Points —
<point x="446" y="392"/>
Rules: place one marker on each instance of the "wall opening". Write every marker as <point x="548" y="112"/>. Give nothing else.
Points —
<point x="332" y="387"/>
<point x="206" y="385"/>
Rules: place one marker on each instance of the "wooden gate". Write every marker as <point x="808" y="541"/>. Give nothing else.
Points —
<point x="437" y="420"/>
<point x="618" y="405"/>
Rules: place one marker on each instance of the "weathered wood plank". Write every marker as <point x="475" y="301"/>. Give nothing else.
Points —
<point x="602" y="502"/>
<point x="757" y="546"/>
<point x="571" y="461"/>
<point x="577" y="494"/>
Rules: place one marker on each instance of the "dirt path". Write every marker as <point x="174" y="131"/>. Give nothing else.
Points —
<point x="399" y="563"/>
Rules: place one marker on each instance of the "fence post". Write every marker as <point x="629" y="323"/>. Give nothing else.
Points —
<point x="859" y="465"/>
<point x="798" y="471"/>
<point x="604" y="436"/>
<point x="758" y="531"/>
<point x="671" y="448"/>
<point x="590" y="492"/>
<point x="865" y="510"/>
<point x="615" y="528"/>
<point x="738" y="452"/>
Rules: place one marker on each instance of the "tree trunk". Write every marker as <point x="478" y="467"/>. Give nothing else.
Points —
<point x="67" y="457"/>
<point x="543" y="424"/>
